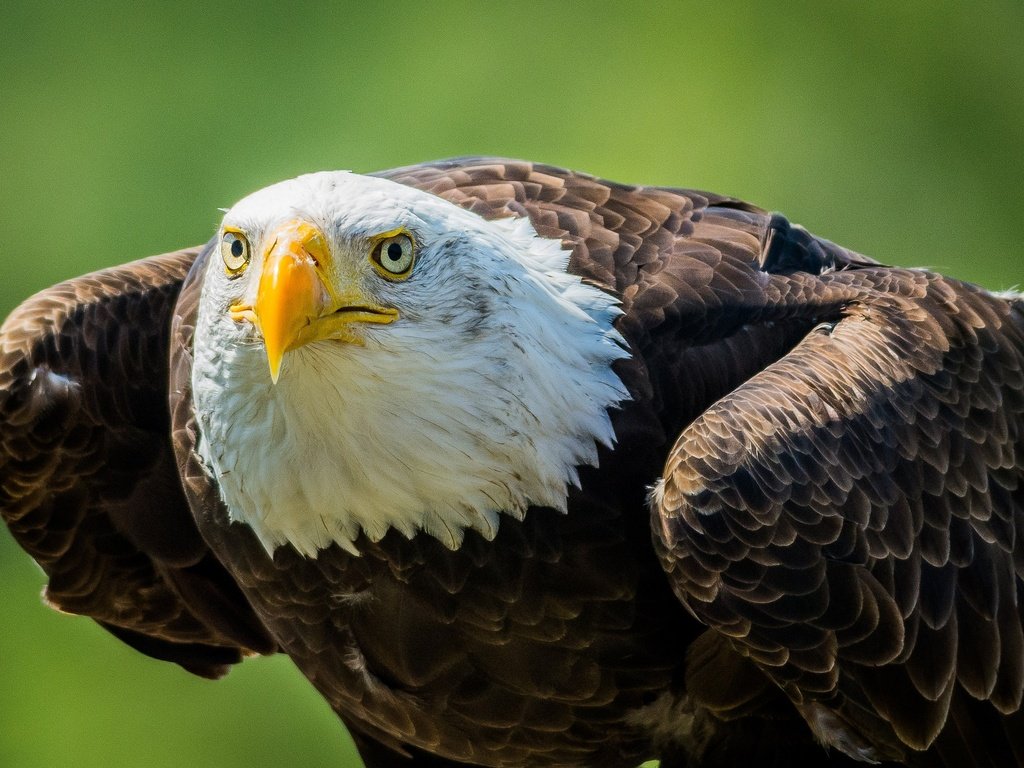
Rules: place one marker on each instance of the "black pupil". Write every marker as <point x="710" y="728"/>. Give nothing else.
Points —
<point x="237" y="248"/>
<point x="394" y="252"/>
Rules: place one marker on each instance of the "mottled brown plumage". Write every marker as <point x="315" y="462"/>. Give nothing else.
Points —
<point x="842" y="453"/>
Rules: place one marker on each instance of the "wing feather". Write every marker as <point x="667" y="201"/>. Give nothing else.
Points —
<point x="88" y="481"/>
<point x="847" y="516"/>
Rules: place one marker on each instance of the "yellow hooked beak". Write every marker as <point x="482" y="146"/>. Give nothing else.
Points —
<point x="297" y="301"/>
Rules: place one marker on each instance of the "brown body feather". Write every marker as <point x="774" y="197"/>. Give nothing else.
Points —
<point x="841" y="447"/>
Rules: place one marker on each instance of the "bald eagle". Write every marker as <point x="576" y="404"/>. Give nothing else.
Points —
<point x="524" y="467"/>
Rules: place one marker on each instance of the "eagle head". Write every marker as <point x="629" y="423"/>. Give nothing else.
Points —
<point x="370" y="356"/>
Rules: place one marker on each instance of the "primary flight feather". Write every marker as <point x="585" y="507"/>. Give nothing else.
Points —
<point x="523" y="467"/>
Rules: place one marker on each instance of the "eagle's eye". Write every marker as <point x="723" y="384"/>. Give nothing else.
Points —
<point x="393" y="256"/>
<point x="234" y="249"/>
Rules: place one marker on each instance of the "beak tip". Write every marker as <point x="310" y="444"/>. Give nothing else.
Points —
<point x="275" y="370"/>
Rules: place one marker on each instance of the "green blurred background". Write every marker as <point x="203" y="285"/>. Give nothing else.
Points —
<point x="893" y="128"/>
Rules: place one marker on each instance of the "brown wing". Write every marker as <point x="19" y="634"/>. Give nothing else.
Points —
<point x="88" y="482"/>
<point x="724" y="306"/>
<point x="849" y="517"/>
